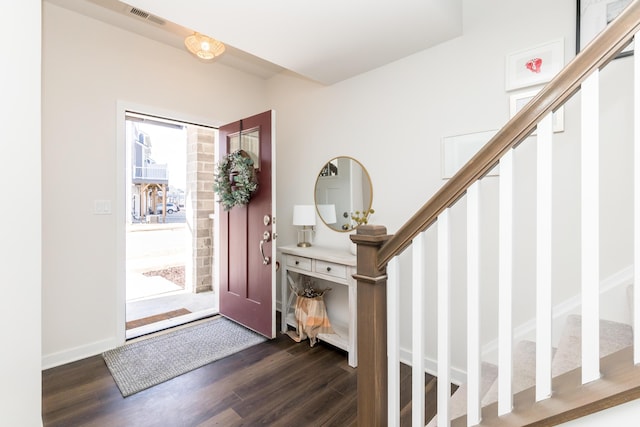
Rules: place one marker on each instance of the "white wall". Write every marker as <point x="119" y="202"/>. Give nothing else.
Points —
<point x="392" y="119"/>
<point x="20" y="221"/>
<point x="90" y="70"/>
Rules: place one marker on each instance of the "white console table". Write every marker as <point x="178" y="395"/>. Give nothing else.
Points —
<point x="333" y="265"/>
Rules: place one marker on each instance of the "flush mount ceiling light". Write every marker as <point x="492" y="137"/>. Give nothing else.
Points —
<point x="205" y="48"/>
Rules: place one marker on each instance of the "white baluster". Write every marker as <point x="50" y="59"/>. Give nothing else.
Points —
<point x="393" y="342"/>
<point x="505" y="284"/>
<point x="636" y="204"/>
<point x="590" y="229"/>
<point x="418" y="328"/>
<point x="444" y="345"/>
<point x="473" y="305"/>
<point x="543" y="257"/>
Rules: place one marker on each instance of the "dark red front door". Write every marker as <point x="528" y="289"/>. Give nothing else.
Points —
<point x="247" y="286"/>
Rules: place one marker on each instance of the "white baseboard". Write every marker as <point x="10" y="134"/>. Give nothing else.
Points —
<point x="458" y="376"/>
<point x="71" y="355"/>
<point x="98" y="347"/>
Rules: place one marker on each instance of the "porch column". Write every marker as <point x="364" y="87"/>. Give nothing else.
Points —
<point x="372" y="327"/>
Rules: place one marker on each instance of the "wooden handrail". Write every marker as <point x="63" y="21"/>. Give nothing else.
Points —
<point x="597" y="54"/>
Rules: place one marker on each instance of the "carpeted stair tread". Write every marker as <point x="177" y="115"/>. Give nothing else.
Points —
<point x="524" y="371"/>
<point x="614" y="336"/>
<point x="458" y="401"/>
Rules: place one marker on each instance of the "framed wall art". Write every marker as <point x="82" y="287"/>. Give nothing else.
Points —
<point x="459" y="149"/>
<point x="593" y="16"/>
<point x="534" y="65"/>
<point x="520" y="99"/>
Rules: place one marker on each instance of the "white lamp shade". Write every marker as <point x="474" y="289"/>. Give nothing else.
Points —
<point x="304" y="215"/>
<point x="328" y="213"/>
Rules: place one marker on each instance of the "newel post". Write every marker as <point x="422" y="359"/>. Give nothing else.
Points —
<point x="372" y="327"/>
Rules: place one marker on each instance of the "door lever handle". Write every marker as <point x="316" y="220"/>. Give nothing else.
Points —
<point x="266" y="236"/>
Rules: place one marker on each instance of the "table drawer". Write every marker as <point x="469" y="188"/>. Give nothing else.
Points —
<point x="299" y="262"/>
<point x="331" y="269"/>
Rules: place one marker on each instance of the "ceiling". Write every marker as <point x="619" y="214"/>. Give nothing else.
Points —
<point x="326" y="42"/>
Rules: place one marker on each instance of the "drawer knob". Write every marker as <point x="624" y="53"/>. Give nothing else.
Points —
<point x="297" y="262"/>
<point x="328" y="268"/>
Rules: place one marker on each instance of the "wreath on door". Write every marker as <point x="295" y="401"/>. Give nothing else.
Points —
<point x="235" y="179"/>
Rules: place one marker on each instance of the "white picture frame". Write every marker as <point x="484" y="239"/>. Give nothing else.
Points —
<point x="535" y="65"/>
<point x="457" y="150"/>
<point x="519" y="99"/>
<point x="593" y="17"/>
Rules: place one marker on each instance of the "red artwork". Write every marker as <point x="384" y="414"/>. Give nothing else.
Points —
<point x="534" y="65"/>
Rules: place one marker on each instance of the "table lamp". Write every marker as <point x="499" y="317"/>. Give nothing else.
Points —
<point x="304" y="216"/>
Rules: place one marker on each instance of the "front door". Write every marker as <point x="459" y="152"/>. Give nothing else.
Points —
<point x="247" y="272"/>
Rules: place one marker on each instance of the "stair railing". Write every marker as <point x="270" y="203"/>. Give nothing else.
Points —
<point x="378" y="345"/>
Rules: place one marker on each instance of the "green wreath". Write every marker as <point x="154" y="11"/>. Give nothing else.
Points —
<point x="235" y="180"/>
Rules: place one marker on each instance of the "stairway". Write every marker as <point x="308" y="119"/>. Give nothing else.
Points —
<point x="613" y="338"/>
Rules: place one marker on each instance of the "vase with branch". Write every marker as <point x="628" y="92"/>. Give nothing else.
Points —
<point x="357" y="219"/>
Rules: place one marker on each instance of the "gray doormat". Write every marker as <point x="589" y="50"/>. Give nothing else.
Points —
<point x="142" y="364"/>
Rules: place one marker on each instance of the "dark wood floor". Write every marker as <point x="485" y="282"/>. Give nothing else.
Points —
<point x="277" y="383"/>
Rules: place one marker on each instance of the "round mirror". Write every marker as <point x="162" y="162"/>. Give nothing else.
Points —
<point x="343" y="187"/>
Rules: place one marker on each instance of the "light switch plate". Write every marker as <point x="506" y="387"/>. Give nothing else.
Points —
<point x="102" y="207"/>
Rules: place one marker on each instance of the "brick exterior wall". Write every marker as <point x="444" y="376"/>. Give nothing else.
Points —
<point x="200" y="203"/>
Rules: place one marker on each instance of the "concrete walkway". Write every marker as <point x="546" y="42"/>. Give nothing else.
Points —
<point x="155" y="247"/>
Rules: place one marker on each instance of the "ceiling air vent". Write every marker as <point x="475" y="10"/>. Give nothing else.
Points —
<point x="146" y="16"/>
<point x="141" y="13"/>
